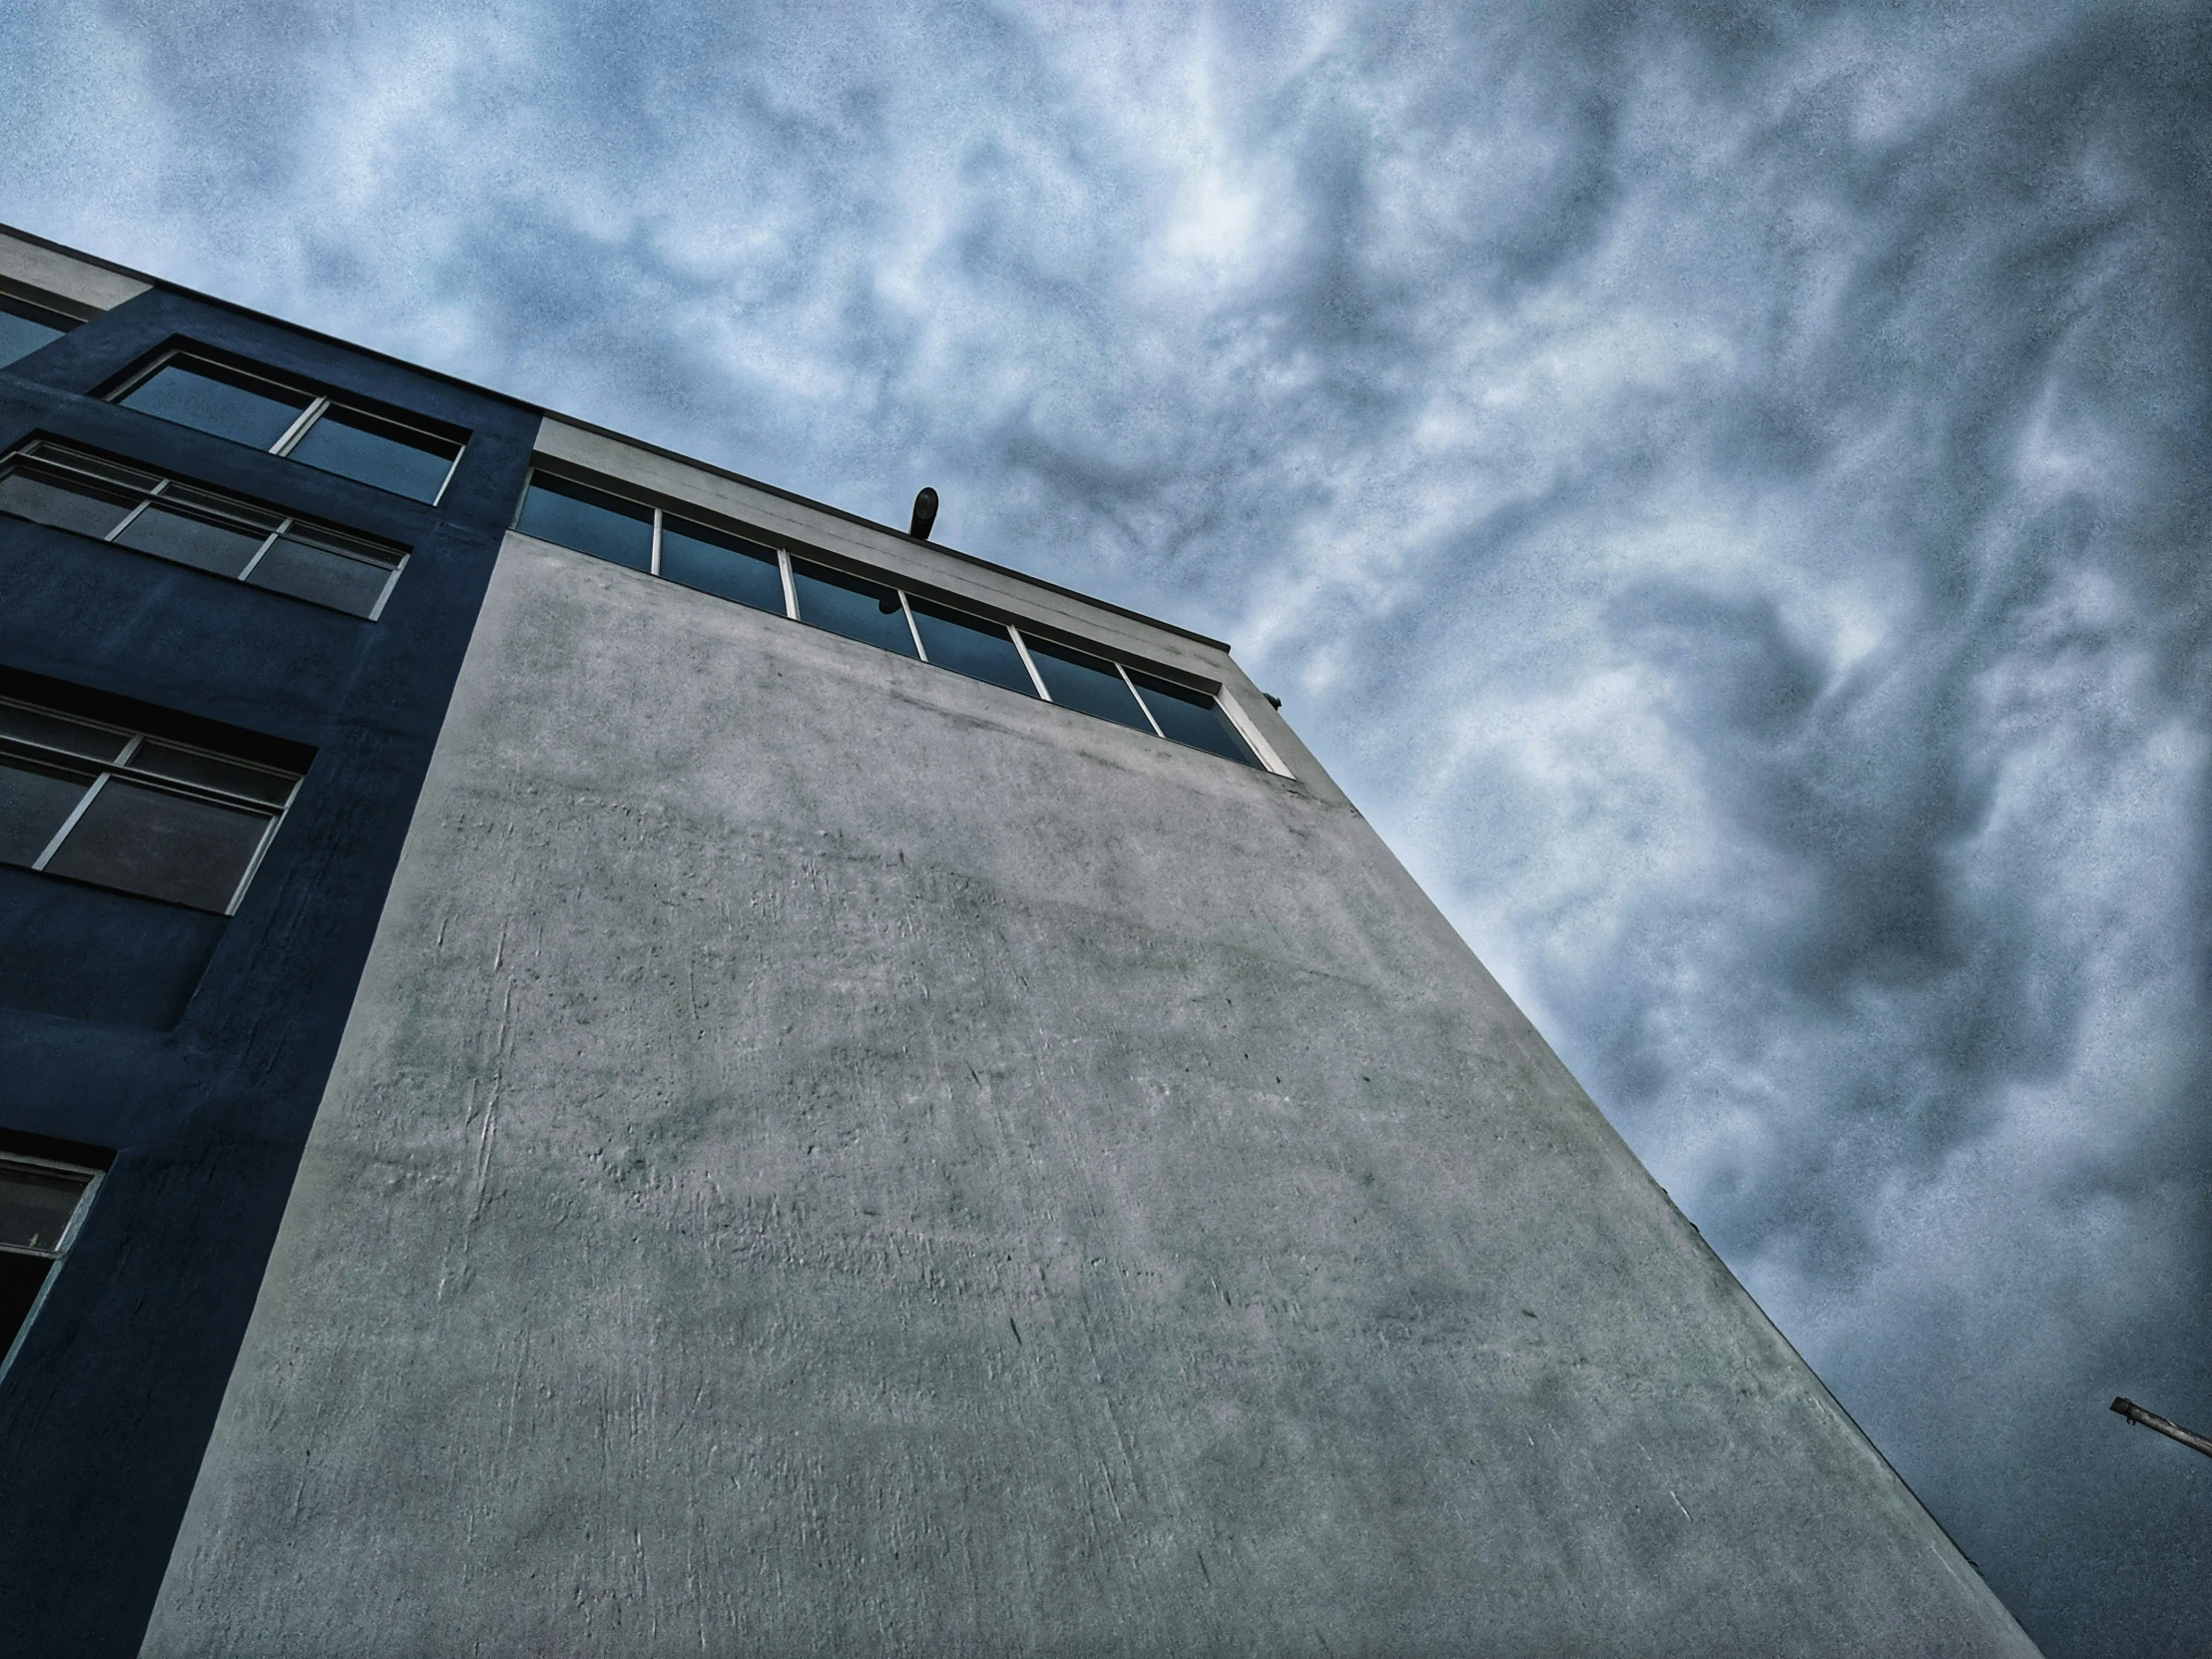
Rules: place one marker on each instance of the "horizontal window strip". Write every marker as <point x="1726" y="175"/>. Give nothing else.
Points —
<point x="734" y="565"/>
<point x="64" y="488"/>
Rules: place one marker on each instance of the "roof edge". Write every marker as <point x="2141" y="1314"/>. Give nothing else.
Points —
<point x="154" y="281"/>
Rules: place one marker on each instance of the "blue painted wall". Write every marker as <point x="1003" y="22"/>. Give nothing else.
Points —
<point x="205" y="1094"/>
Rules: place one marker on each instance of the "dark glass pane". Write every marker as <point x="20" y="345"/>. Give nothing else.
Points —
<point x="1089" y="683"/>
<point x="591" y="521"/>
<point x="1194" y="718"/>
<point x="379" y="452"/>
<point x="64" y="502"/>
<point x="852" y="606"/>
<point x="968" y="644"/>
<point x="715" y="562"/>
<point x="322" y="574"/>
<point x="214" y="400"/>
<point x="20" y="1280"/>
<point x="25" y="327"/>
<point x="36" y="1204"/>
<point x="35" y="802"/>
<point x="192" y="541"/>
<point x="189" y="766"/>
<point x="164" y="846"/>
<point x="78" y="736"/>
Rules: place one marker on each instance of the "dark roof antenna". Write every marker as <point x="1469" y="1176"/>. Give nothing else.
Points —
<point x="925" y="514"/>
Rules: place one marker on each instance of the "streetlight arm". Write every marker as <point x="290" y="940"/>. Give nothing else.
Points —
<point x="2151" y="1419"/>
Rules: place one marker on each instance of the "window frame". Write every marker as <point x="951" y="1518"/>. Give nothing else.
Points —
<point x="320" y="404"/>
<point x="58" y="1256"/>
<point x="1264" y="757"/>
<point x="41" y="452"/>
<point x="19" y="304"/>
<point x="136" y="738"/>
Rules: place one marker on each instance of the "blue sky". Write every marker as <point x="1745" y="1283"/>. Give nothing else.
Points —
<point x="1725" y="487"/>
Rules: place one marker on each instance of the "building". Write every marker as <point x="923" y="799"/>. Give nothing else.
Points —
<point x="551" y="1106"/>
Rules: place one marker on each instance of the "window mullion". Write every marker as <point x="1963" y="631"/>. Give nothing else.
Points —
<point x="791" y="587"/>
<point x="132" y="517"/>
<point x="261" y="552"/>
<point x="253" y="864"/>
<point x="298" y="429"/>
<point x="70" y="823"/>
<point x="1022" y="645"/>
<point x="907" y="611"/>
<point x="656" y="564"/>
<point x="1150" y="720"/>
<point x="377" y="609"/>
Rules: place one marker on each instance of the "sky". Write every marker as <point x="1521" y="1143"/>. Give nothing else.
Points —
<point x="1724" y="488"/>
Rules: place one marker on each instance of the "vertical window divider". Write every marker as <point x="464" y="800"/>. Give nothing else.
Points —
<point x="656" y="541"/>
<point x="298" y="429"/>
<point x="451" y="467"/>
<point x="1022" y="645"/>
<point x="132" y="517"/>
<point x="907" y="611"/>
<point x="261" y="552"/>
<point x="791" y="588"/>
<point x="77" y="812"/>
<point x="1150" y="718"/>
<point x="254" y="865"/>
<point x="393" y="581"/>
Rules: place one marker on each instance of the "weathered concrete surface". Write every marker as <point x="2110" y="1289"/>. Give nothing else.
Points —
<point x="834" y="1159"/>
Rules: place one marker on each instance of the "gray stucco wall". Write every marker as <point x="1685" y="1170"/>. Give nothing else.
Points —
<point x="830" y="1158"/>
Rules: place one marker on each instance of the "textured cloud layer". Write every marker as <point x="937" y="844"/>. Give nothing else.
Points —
<point x="1726" y="486"/>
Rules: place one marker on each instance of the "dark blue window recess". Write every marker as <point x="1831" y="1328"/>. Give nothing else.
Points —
<point x="24" y="327"/>
<point x="53" y="484"/>
<point x="737" y="566"/>
<point x="118" y="809"/>
<point x="264" y="413"/>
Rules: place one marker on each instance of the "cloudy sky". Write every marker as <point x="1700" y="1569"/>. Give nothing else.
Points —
<point x="1725" y="487"/>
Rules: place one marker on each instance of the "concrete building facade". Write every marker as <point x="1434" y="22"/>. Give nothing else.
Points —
<point x="772" y="1088"/>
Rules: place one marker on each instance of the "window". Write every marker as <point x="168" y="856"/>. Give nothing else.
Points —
<point x="591" y="521"/>
<point x="125" y="809"/>
<point x="42" y="1205"/>
<point x="852" y="606"/>
<point x="1078" y="680"/>
<point x="735" y="566"/>
<point x="968" y="644"/>
<point x="50" y="484"/>
<point x="263" y="413"/>
<point x="716" y="562"/>
<point x="24" y="327"/>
